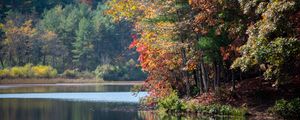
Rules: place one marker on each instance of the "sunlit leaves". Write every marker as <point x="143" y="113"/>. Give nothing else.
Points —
<point x="270" y="42"/>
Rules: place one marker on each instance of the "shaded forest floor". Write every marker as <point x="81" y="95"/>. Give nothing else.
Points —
<point x="256" y="94"/>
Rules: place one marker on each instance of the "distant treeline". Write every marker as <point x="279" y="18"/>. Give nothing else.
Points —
<point x="67" y="35"/>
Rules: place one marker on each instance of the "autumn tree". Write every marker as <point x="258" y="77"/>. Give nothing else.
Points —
<point x="19" y="39"/>
<point x="271" y="44"/>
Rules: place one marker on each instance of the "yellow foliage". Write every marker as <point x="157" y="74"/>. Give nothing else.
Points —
<point x="44" y="71"/>
<point x="4" y="73"/>
<point x="29" y="71"/>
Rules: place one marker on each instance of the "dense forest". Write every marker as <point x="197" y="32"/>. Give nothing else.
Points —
<point x="238" y="52"/>
<point x="71" y="36"/>
<point x="216" y="50"/>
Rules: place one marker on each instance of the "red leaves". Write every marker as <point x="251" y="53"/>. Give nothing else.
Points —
<point x="133" y="44"/>
<point x="134" y="36"/>
<point x="141" y="48"/>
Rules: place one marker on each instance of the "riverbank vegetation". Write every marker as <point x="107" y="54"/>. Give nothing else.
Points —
<point x="172" y="104"/>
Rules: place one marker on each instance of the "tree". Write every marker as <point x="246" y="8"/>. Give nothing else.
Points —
<point x="271" y="44"/>
<point x="19" y="39"/>
<point x="83" y="46"/>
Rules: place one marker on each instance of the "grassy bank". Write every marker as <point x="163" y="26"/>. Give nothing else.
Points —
<point x="48" y="81"/>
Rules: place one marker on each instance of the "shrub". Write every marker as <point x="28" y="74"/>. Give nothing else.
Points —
<point x="70" y="73"/>
<point x="124" y="71"/>
<point x="220" y="109"/>
<point x="42" y="71"/>
<point x="4" y="73"/>
<point x="287" y="109"/>
<point x="77" y="74"/>
<point x="86" y="74"/>
<point x="171" y="103"/>
<point x="17" y="72"/>
<point x="29" y="71"/>
<point x="106" y="71"/>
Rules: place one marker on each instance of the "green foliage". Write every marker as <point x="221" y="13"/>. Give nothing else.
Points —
<point x="216" y="109"/>
<point x="103" y="70"/>
<point x="78" y="74"/>
<point x="127" y="71"/>
<point x="287" y="109"/>
<point x="86" y="35"/>
<point x="171" y="103"/>
<point x="87" y="75"/>
<point x="29" y="71"/>
<point x="70" y="35"/>
<point x="276" y="54"/>
<point x="211" y="44"/>
<point x="83" y="46"/>
<point x="271" y="43"/>
<point x="70" y="73"/>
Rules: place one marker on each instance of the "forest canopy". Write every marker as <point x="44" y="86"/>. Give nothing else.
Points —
<point x="67" y="35"/>
<point x="194" y="46"/>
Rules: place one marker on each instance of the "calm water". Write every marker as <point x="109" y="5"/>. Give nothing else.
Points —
<point x="77" y="102"/>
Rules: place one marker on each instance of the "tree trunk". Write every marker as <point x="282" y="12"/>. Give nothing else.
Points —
<point x="218" y="75"/>
<point x="200" y="85"/>
<point x="215" y="76"/>
<point x="185" y="73"/>
<point x="204" y="76"/>
<point x="232" y="80"/>
<point x="195" y="77"/>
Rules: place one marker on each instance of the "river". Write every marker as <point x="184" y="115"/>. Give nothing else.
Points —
<point x="76" y="102"/>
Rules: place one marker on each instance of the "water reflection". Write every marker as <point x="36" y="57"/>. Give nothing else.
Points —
<point x="77" y="102"/>
<point x="82" y="96"/>
<point x="66" y="88"/>
<point x="43" y="109"/>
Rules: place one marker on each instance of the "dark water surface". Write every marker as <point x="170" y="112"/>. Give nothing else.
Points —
<point x="68" y="102"/>
<point x="78" y="102"/>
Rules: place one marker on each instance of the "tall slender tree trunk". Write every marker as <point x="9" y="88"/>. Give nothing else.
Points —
<point x="215" y="76"/>
<point x="200" y="85"/>
<point x="204" y="76"/>
<point x="218" y="75"/>
<point x="232" y="80"/>
<point x="195" y="76"/>
<point x="185" y="73"/>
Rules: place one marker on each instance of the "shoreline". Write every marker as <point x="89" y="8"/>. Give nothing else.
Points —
<point x="64" y="81"/>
